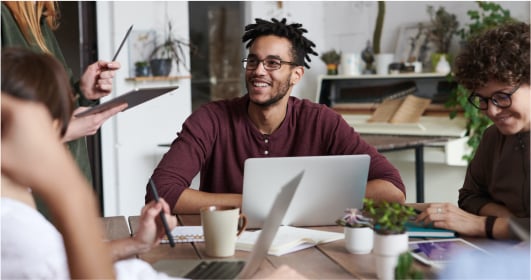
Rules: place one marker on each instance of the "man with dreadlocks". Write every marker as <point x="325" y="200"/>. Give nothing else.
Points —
<point x="266" y="122"/>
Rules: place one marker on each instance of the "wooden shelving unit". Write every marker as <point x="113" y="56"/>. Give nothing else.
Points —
<point x="157" y="79"/>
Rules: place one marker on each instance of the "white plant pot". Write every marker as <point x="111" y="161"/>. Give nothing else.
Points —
<point x="350" y="64"/>
<point x="359" y="240"/>
<point x="386" y="250"/>
<point x="382" y="61"/>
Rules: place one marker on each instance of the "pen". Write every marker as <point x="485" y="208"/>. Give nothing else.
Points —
<point x="161" y="214"/>
<point x="122" y="43"/>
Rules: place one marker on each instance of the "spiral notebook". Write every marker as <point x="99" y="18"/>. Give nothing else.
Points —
<point x="182" y="234"/>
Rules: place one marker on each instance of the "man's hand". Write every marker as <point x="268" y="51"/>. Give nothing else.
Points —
<point x="96" y="82"/>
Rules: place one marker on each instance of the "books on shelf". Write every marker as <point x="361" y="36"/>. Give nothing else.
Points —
<point x="420" y="230"/>
<point x="404" y="109"/>
<point x="289" y="239"/>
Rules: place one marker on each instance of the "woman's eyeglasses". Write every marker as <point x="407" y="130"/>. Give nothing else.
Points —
<point x="499" y="99"/>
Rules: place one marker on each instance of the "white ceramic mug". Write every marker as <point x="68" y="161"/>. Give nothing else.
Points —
<point x="221" y="226"/>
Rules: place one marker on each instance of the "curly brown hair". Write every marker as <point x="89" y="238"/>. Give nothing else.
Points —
<point x="500" y="54"/>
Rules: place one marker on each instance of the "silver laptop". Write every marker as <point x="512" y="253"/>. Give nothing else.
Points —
<point x="330" y="185"/>
<point x="230" y="269"/>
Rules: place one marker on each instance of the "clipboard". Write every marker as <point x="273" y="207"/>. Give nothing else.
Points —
<point x="132" y="98"/>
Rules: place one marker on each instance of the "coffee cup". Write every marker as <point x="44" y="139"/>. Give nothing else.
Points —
<point x="221" y="227"/>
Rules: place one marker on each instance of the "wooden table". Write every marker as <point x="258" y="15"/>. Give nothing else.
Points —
<point x="326" y="261"/>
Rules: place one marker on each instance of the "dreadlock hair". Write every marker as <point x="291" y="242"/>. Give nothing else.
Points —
<point x="301" y="46"/>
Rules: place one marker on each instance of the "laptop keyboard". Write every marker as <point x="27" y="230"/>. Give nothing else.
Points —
<point x="216" y="270"/>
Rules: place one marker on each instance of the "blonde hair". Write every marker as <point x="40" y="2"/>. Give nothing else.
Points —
<point x="28" y="16"/>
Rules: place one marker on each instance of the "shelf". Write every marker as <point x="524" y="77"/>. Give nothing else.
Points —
<point x="390" y="76"/>
<point x="157" y="79"/>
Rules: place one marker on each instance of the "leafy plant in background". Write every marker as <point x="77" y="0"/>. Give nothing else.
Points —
<point x="377" y="35"/>
<point x="331" y="57"/>
<point x="173" y="48"/>
<point x="489" y="15"/>
<point x="443" y="27"/>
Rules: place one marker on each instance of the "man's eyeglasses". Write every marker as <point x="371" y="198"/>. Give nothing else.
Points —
<point x="270" y="64"/>
<point x="499" y="99"/>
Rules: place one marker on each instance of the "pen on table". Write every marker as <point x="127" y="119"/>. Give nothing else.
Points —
<point x="122" y="43"/>
<point x="161" y="214"/>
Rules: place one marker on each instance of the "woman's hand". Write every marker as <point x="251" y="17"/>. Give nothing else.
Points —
<point x="151" y="230"/>
<point x="96" y="82"/>
<point x="88" y="125"/>
<point x="449" y="216"/>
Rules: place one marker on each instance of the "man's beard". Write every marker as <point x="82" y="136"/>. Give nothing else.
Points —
<point x="282" y="91"/>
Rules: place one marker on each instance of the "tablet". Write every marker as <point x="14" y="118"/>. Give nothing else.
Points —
<point x="439" y="252"/>
<point x="132" y="98"/>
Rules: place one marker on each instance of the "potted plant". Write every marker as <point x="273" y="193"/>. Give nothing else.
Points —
<point x="142" y="69"/>
<point x="405" y="270"/>
<point x="443" y="27"/>
<point x="382" y="60"/>
<point x="358" y="231"/>
<point x="171" y="49"/>
<point x="390" y="240"/>
<point x="331" y="58"/>
<point x="489" y="15"/>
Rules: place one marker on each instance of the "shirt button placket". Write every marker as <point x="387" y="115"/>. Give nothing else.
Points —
<point x="266" y="142"/>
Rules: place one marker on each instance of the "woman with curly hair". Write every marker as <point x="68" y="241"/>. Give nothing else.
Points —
<point x="494" y="67"/>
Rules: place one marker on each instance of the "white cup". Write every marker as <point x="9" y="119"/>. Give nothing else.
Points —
<point x="350" y="64"/>
<point x="221" y="227"/>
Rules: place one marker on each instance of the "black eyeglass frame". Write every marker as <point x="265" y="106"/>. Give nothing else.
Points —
<point x="493" y="99"/>
<point x="245" y="63"/>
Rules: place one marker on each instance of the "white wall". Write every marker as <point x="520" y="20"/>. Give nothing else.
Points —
<point x="130" y="140"/>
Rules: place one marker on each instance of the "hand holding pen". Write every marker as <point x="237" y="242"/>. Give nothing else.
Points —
<point x="96" y="81"/>
<point x="161" y="214"/>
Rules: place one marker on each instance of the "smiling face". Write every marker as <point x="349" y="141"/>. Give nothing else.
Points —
<point x="267" y="88"/>
<point x="510" y="120"/>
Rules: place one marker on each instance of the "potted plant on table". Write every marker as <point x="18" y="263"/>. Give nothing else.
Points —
<point x="388" y="221"/>
<point x="331" y="58"/>
<point x="358" y="231"/>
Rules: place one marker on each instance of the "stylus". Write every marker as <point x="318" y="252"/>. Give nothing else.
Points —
<point x="161" y="214"/>
<point x="122" y="43"/>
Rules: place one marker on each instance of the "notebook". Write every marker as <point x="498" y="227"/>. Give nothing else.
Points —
<point x="230" y="269"/>
<point x="132" y="98"/>
<point x="330" y="185"/>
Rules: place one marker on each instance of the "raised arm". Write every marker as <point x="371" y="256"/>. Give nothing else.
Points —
<point x="32" y="155"/>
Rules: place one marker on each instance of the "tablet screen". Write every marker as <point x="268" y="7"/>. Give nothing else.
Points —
<point x="132" y="98"/>
<point x="440" y="251"/>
